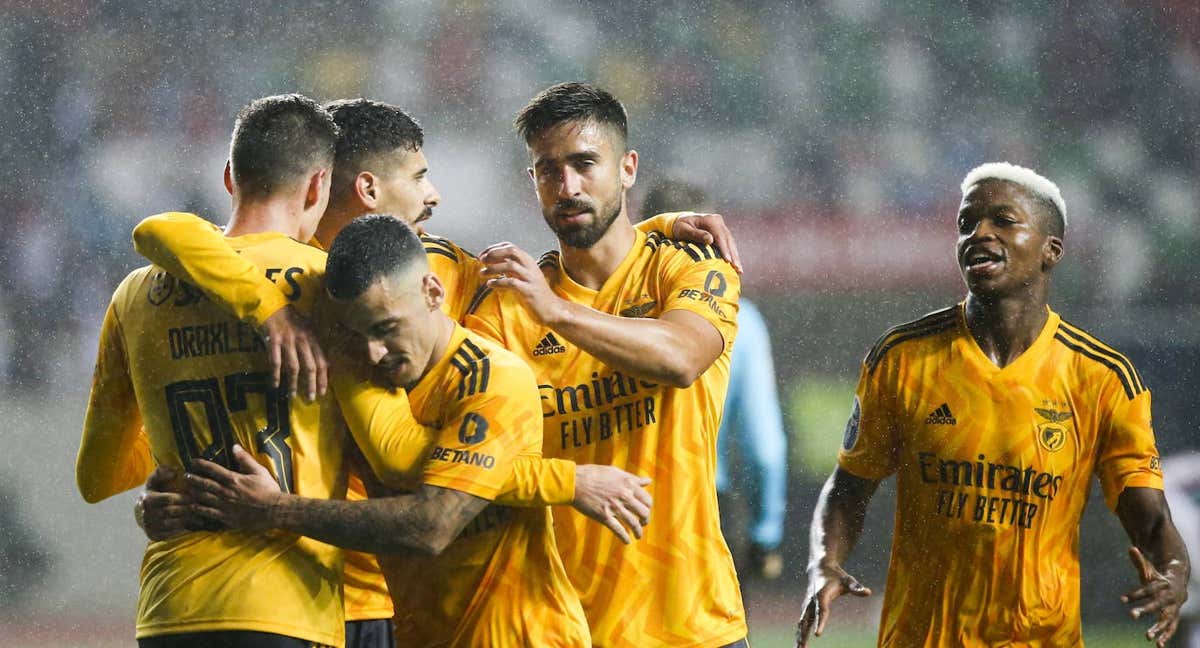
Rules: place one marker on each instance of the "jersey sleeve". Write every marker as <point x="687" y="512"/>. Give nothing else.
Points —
<point x="486" y="432"/>
<point x="381" y="421"/>
<point x="662" y="223"/>
<point x="459" y="272"/>
<point x="1128" y="456"/>
<point x="870" y="444"/>
<point x="114" y="453"/>
<point x="706" y="286"/>
<point x="195" y="250"/>
<point x="538" y="481"/>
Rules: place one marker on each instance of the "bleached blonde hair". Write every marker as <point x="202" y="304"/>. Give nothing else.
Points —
<point x="1033" y="182"/>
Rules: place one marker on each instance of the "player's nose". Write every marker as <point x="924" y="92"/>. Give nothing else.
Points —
<point x="376" y="351"/>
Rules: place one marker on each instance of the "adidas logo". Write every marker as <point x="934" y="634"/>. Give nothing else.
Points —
<point x="941" y="416"/>
<point x="548" y="346"/>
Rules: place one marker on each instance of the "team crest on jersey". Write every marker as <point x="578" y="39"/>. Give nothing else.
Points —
<point x="639" y="310"/>
<point x="1052" y="435"/>
<point x="851" y="434"/>
<point x="161" y="288"/>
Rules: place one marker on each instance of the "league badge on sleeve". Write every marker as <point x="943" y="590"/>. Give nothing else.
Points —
<point x="851" y="434"/>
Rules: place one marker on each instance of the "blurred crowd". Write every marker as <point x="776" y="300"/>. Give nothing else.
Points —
<point x="856" y="112"/>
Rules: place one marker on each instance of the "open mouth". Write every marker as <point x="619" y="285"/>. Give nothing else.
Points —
<point x="980" y="260"/>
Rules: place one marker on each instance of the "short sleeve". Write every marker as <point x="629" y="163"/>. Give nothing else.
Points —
<point x="486" y="431"/>
<point x="708" y="287"/>
<point x="870" y="444"/>
<point x="1128" y="455"/>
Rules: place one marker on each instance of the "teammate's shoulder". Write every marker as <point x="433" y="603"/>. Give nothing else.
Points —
<point x="931" y="324"/>
<point x="442" y="246"/>
<point x="668" y="248"/>
<point x="1100" y="356"/>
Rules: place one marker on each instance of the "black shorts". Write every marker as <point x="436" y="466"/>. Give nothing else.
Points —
<point x="374" y="633"/>
<point x="224" y="639"/>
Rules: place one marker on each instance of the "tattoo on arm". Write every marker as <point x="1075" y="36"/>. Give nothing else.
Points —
<point x="425" y="521"/>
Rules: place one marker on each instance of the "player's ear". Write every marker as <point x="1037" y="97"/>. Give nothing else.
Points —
<point x="229" y="177"/>
<point x="366" y="190"/>
<point x="629" y="163"/>
<point x="1052" y="253"/>
<point x="316" y="184"/>
<point x="434" y="291"/>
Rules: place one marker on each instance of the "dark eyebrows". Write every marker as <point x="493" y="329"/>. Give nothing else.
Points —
<point x="420" y="172"/>
<point x="586" y="155"/>
<point x="383" y="325"/>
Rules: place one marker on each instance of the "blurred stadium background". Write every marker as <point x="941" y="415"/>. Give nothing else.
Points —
<point x="832" y="134"/>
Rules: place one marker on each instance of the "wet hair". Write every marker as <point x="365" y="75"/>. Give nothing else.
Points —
<point x="369" y="129"/>
<point x="368" y="249"/>
<point x="279" y="140"/>
<point x="571" y="102"/>
<point x="1042" y="190"/>
<point x="674" y="195"/>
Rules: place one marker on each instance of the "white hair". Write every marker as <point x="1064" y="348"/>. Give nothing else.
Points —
<point x="1029" y="179"/>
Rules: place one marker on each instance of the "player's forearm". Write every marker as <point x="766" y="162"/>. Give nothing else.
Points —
<point x="195" y="251"/>
<point x="653" y="349"/>
<point x="401" y="523"/>
<point x="538" y="481"/>
<point x="838" y="519"/>
<point x="1147" y="520"/>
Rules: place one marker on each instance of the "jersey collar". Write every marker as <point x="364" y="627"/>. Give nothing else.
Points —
<point x="581" y="294"/>
<point x="1024" y="362"/>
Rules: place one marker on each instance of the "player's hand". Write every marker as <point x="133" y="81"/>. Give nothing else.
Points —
<point x="825" y="583"/>
<point x="613" y="498"/>
<point x="295" y="354"/>
<point x="508" y="267"/>
<point x="162" y="510"/>
<point x="709" y="229"/>
<point x="239" y="500"/>
<point x="1161" y="593"/>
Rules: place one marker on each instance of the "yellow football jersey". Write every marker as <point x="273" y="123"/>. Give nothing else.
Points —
<point x="501" y="583"/>
<point x="676" y="586"/>
<point x="993" y="470"/>
<point x="196" y="378"/>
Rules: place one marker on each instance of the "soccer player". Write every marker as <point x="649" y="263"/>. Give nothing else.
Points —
<point x="994" y="414"/>
<point x="195" y="378"/>
<point x="629" y="336"/>
<point x="501" y="582"/>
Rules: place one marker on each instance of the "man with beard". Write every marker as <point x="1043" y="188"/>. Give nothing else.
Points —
<point x="994" y="414"/>
<point x="629" y="336"/>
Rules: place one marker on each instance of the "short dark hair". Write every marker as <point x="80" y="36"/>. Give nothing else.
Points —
<point x="277" y="140"/>
<point x="368" y="249"/>
<point x="369" y="128"/>
<point x="569" y="102"/>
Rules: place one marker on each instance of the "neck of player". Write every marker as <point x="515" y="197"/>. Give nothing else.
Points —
<point x="273" y="213"/>
<point x="591" y="267"/>
<point x="336" y="217"/>
<point x="1005" y="327"/>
